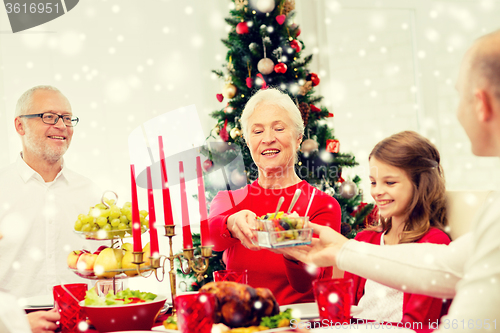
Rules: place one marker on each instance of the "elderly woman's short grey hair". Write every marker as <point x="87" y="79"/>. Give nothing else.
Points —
<point x="25" y="102"/>
<point x="272" y="96"/>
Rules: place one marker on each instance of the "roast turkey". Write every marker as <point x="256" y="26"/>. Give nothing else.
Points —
<point x="239" y="305"/>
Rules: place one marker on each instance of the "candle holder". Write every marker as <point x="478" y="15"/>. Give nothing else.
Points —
<point x="197" y="264"/>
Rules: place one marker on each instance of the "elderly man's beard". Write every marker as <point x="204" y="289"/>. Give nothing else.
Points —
<point x="47" y="153"/>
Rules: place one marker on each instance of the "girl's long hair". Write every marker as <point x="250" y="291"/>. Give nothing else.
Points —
<point x="420" y="159"/>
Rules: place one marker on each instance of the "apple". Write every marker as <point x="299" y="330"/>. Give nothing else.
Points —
<point x="109" y="259"/>
<point x="100" y="248"/>
<point x="73" y="258"/>
<point x="85" y="263"/>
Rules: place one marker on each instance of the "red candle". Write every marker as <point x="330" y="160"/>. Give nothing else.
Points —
<point x="205" y="236"/>
<point x="136" y="220"/>
<point x="186" y="228"/>
<point x="153" y="235"/>
<point x="167" y="205"/>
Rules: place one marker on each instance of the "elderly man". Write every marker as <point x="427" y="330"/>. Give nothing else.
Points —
<point x="468" y="269"/>
<point x="40" y="199"/>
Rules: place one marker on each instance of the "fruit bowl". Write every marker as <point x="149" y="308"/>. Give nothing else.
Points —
<point x="129" y="317"/>
<point x="120" y="273"/>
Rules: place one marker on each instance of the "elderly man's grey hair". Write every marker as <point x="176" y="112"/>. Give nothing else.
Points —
<point x="272" y="96"/>
<point x="25" y="102"/>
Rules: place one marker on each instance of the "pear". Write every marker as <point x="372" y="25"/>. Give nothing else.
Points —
<point x="147" y="254"/>
<point x="127" y="260"/>
<point x="127" y="247"/>
<point x="108" y="259"/>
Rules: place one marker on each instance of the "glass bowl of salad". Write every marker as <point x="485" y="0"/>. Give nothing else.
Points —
<point x="282" y="230"/>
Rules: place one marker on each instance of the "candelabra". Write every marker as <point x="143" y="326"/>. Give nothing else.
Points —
<point x="198" y="264"/>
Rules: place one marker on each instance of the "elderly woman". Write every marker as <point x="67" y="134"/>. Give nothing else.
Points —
<point x="273" y="130"/>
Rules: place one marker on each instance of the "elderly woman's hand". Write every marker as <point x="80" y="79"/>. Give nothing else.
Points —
<point x="240" y="225"/>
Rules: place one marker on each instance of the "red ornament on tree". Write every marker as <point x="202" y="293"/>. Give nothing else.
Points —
<point x="280" y="68"/>
<point x="332" y="146"/>
<point x="223" y="132"/>
<point x="295" y="44"/>
<point x="314" y="108"/>
<point x="358" y="209"/>
<point x="281" y="19"/>
<point x="295" y="27"/>
<point x="264" y="85"/>
<point x="207" y="165"/>
<point x="249" y="82"/>
<point x="372" y="218"/>
<point x="313" y="77"/>
<point x="330" y="115"/>
<point x="220" y="97"/>
<point x="242" y="28"/>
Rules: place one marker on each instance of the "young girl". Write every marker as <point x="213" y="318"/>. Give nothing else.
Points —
<point x="407" y="184"/>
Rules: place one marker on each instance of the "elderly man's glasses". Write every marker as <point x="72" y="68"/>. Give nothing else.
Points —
<point x="52" y="118"/>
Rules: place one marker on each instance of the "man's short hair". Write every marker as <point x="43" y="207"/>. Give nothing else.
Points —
<point x="25" y="102"/>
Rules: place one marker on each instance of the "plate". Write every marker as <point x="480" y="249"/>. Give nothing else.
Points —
<point x="310" y="310"/>
<point x="41" y="302"/>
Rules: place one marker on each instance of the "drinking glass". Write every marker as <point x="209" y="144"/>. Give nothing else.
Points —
<point x="195" y="312"/>
<point x="231" y="275"/>
<point x="66" y="299"/>
<point x="334" y="299"/>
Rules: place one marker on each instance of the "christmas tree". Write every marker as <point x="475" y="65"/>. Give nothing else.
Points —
<point x="264" y="50"/>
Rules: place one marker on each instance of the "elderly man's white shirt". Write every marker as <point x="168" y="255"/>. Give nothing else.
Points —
<point x="36" y="220"/>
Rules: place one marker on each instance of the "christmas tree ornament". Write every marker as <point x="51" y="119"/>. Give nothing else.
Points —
<point x="249" y="78"/>
<point x="240" y="4"/>
<point x="280" y="68"/>
<point x="347" y="189"/>
<point x="330" y="191"/>
<point x="330" y="115"/>
<point x="237" y="178"/>
<point x="295" y="28"/>
<point x="304" y="111"/>
<point x="314" y="108"/>
<point x="281" y="19"/>
<point x="313" y="77"/>
<point x="305" y="88"/>
<point x="265" y="6"/>
<point x="308" y="146"/>
<point x="373" y="218"/>
<point x="295" y="44"/>
<point x="242" y="28"/>
<point x="265" y="66"/>
<point x="215" y="131"/>
<point x="288" y="6"/>
<point x="207" y="165"/>
<point x="229" y="90"/>
<point x="235" y="132"/>
<point x="332" y="146"/>
<point x="223" y="132"/>
<point x="264" y="85"/>
<point x="220" y="97"/>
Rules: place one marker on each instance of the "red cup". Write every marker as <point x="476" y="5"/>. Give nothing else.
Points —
<point x="195" y="312"/>
<point x="66" y="299"/>
<point x="230" y="275"/>
<point x="334" y="299"/>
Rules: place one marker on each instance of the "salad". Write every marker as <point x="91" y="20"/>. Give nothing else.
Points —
<point x="123" y="297"/>
<point x="281" y="222"/>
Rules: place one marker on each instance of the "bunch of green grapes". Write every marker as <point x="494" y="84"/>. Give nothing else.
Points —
<point x="114" y="219"/>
